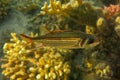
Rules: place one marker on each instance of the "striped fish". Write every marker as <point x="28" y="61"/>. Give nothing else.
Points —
<point x="61" y="39"/>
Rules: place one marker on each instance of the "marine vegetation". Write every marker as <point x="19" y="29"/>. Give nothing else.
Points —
<point x="84" y="44"/>
<point x="4" y="8"/>
<point x="26" y="6"/>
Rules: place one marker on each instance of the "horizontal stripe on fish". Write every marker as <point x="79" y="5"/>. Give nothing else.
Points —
<point x="59" y="39"/>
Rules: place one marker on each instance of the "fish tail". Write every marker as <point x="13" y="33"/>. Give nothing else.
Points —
<point x="26" y="38"/>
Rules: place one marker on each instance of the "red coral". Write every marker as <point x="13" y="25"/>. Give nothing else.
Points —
<point x="112" y="10"/>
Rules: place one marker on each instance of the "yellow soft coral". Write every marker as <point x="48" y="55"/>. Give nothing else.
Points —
<point x="23" y="61"/>
<point x="55" y="7"/>
<point x="117" y="20"/>
<point x="103" y="70"/>
<point x="89" y="29"/>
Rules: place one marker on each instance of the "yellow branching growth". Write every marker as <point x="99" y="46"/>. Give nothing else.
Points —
<point x="55" y="7"/>
<point x="25" y="61"/>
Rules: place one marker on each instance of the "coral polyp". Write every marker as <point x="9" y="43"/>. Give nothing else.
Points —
<point x="112" y="10"/>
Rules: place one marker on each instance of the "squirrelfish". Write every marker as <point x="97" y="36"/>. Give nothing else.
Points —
<point x="62" y="39"/>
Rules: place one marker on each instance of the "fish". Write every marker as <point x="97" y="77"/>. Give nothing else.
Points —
<point x="61" y="39"/>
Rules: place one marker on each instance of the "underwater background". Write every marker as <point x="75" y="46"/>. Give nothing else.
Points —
<point x="59" y="39"/>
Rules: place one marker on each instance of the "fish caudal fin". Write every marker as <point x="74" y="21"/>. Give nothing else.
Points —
<point x="26" y="38"/>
